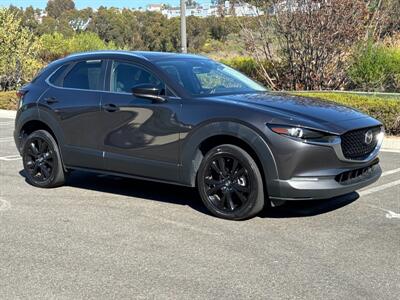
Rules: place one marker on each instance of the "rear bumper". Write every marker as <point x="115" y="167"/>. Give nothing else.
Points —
<point x="325" y="187"/>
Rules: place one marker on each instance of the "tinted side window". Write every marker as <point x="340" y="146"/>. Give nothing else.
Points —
<point x="57" y="77"/>
<point x="125" y="76"/>
<point x="84" y="75"/>
<point x="173" y="73"/>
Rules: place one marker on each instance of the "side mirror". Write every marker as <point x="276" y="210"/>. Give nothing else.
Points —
<point x="149" y="92"/>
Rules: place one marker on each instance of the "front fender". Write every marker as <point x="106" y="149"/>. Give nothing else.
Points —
<point x="191" y="155"/>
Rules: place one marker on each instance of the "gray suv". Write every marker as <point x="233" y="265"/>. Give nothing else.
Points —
<point x="188" y="120"/>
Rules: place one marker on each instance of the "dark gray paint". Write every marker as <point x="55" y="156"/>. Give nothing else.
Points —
<point x="160" y="141"/>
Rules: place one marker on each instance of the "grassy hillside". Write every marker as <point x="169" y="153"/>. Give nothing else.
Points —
<point x="8" y="100"/>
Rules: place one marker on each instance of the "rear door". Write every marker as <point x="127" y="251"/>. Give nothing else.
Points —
<point x="73" y="99"/>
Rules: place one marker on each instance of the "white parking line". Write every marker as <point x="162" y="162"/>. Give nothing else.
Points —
<point x="10" y="157"/>
<point x="6" y="123"/>
<point x="390" y="150"/>
<point x="7" y="114"/>
<point x="6" y="139"/>
<point x="379" y="188"/>
<point x="389" y="214"/>
<point x="390" y="172"/>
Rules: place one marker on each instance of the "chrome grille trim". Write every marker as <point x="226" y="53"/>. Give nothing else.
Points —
<point x="337" y="146"/>
<point x="354" y="145"/>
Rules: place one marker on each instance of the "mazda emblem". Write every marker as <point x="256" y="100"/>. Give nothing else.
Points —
<point x="368" y="137"/>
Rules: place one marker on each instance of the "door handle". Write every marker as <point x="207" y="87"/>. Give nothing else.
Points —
<point x="110" y="107"/>
<point x="51" y="100"/>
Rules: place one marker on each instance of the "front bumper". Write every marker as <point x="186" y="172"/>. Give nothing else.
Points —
<point x="325" y="187"/>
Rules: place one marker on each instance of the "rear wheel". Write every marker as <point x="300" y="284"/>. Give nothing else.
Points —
<point x="230" y="183"/>
<point x="42" y="160"/>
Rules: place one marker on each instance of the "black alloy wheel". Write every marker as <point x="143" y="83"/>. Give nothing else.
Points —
<point x="230" y="183"/>
<point x="42" y="161"/>
<point x="227" y="183"/>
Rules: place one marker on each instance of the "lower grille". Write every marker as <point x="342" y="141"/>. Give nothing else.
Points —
<point x="353" y="176"/>
<point x="358" y="144"/>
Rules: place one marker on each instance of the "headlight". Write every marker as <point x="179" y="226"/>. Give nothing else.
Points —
<point x="303" y="133"/>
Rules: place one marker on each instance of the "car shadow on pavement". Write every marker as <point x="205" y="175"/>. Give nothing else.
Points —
<point x="308" y="208"/>
<point x="145" y="190"/>
<point x="148" y="190"/>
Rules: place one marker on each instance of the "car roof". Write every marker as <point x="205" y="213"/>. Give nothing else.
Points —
<point x="147" y="55"/>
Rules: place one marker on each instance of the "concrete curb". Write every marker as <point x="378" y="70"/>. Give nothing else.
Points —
<point x="8" y="114"/>
<point x="395" y="96"/>
<point x="389" y="143"/>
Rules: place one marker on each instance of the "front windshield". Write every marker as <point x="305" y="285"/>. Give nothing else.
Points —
<point x="202" y="77"/>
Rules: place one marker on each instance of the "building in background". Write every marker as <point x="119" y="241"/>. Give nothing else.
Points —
<point x="211" y="9"/>
<point x="155" y="7"/>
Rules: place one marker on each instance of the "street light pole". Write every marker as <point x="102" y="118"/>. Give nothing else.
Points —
<point x="183" y="26"/>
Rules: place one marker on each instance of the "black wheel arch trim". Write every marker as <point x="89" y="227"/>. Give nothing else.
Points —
<point x="53" y="124"/>
<point x="43" y="117"/>
<point x="191" y="155"/>
<point x="24" y="116"/>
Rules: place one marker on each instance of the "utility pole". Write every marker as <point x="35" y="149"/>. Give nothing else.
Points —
<point x="183" y="26"/>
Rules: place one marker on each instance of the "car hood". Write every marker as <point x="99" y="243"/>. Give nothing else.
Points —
<point x="310" y="112"/>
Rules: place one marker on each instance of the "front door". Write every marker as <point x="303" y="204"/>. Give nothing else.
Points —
<point x="140" y="137"/>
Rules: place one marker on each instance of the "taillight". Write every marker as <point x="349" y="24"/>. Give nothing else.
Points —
<point x="20" y="96"/>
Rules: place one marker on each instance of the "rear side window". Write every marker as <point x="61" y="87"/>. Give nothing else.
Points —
<point x="57" y="77"/>
<point x="84" y="75"/>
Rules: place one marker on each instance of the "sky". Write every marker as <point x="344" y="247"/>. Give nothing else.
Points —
<point x="92" y="3"/>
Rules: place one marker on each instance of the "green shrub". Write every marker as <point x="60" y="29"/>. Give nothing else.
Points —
<point x="246" y="65"/>
<point x="8" y="100"/>
<point x="386" y="110"/>
<point x="376" y="67"/>
<point x="56" y="45"/>
<point x="88" y="41"/>
<point x="277" y="71"/>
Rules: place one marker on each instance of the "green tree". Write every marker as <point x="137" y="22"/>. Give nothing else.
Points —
<point x="56" y="8"/>
<point x="197" y="33"/>
<point x="154" y="30"/>
<point x="18" y="49"/>
<point x="120" y="27"/>
<point x="50" y="25"/>
<point x="30" y="18"/>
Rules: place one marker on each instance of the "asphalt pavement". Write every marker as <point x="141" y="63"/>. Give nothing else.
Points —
<point x="103" y="237"/>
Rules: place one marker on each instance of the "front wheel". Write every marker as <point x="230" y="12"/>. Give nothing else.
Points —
<point x="42" y="160"/>
<point x="230" y="183"/>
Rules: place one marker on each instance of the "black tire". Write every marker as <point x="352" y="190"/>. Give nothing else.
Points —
<point x="42" y="160"/>
<point x="230" y="183"/>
